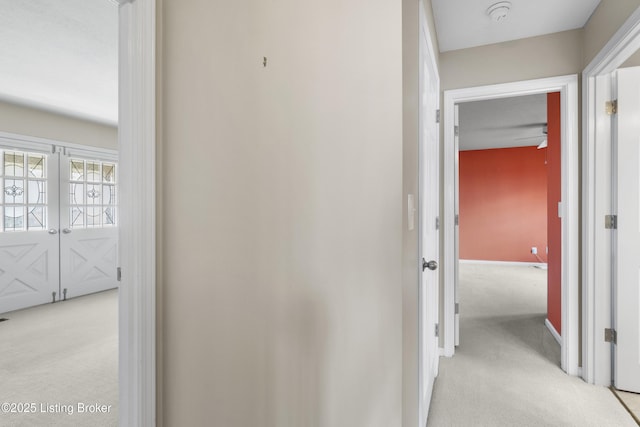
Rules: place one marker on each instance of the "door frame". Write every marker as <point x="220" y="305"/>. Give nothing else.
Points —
<point x="137" y="255"/>
<point x="426" y="48"/>
<point x="596" y="200"/>
<point x="568" y="88"/>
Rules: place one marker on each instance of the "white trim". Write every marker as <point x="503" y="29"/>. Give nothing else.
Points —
<point x="136" y="138"/>
<point x="568" y="87"/>
<point x="505" y="263"/>
<point x="596" y="168"/>
<point x="553" y="331"/>
<point x="45" y="144"/>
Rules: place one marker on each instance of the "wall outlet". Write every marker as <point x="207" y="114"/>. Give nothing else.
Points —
<point x="534" y="250"/>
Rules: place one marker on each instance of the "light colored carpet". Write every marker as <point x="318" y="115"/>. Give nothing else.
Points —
<point x="506" y="371"/>
<point x="61" y="354"/>
<point x="632" y="403"/>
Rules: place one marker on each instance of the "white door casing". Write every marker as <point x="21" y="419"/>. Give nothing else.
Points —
<point x="429" y="353"/>
<point x="626" y="197"/>
<point x="596" y="196"/>
<point x="567" y="86"/>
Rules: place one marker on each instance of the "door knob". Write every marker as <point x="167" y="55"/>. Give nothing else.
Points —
<point x="431" y="265"/>
<point x="66" y="230"/>
<point x="52" y="231"/>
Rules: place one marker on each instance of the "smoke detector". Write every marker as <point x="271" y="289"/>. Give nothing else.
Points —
<point x="499" y="11"/>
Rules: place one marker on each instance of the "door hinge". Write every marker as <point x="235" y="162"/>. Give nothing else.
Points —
<point x="610" y="335"/>
<point x="437" y="223"/>
<point x="119" y="274"/>
<point x="457" y="220"/>
<point x="457" y="308"/>
<point x="611" y="107"/>
<point x="437" y="329"/>
<point x="611" y="222"/>
<point x="438" y="116"/>
<point x="456" y="130"/>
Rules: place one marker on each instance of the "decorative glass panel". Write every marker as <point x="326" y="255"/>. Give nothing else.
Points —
<point x="13" y="164"/>
<point x="13" y="218"/>
<point x="93" y="172"/>
<point x="13" y="191"/>
<point x="77" y="170"/>
<point x="37" y="166"/>
<point x="36" y="217"/>
<point x="92" y="194"/>
<point x="109" y="217"/>
<point x="77" y="217"/>
<point x="93" y="216"/>
<point x="24" y="190"/>
<point x="37" y="192"/>
<point x="108" y="172"/>
<point x="108" y="195"/>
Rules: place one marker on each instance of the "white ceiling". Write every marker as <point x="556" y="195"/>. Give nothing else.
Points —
<point x="504" y="122"/>
<point x="61" y="55"/>
<point x="464" y="23"/>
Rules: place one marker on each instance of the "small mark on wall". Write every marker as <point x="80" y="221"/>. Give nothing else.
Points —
<point x="264" y="61"/>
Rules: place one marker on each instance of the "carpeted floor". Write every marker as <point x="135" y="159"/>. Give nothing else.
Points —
<point x="506" y="371"/>
<point x="60" y="363"/>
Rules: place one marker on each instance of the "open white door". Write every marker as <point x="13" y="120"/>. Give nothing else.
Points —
<point x="429" y="224"/>
<point x="627" y="249"/>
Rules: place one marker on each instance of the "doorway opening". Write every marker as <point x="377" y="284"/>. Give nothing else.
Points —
<point x="509" y="231"/>
<point x="567" y="208"/>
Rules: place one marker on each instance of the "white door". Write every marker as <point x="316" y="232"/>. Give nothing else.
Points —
<point x="627" y="250"/>
<point x="29" y="230"/>
<point x="89" y="237"/>
<point x="429" y="224"/>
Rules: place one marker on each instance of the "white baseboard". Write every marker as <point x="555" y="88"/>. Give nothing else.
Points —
<point x="553" y="331"/>
<point x="542" y="265"/>
<point x="441" y="351"/>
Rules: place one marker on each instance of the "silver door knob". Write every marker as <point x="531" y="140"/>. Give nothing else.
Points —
<point x="431" y="265"/>
<point x="66" y="230"/>
<point x="52" y="231"/>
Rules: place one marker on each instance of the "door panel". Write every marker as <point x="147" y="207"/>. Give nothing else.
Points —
<point x="29" y="269"/>
<point x="429" y="354"/>
<point x="89" y="237"/>
<point x="627" y="269"/>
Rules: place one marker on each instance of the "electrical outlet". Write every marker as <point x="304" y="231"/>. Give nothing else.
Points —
<point x="534" y="250"/>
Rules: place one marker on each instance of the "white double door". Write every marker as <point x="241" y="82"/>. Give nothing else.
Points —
<point x="58" y="236"/>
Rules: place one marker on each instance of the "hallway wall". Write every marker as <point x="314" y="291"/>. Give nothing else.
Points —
<point x="282" y="213"/>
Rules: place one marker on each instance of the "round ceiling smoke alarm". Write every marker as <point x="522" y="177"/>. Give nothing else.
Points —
<point x="499" y="11"/>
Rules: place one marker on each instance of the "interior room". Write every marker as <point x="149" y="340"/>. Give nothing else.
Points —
<point x="59" y="170"/>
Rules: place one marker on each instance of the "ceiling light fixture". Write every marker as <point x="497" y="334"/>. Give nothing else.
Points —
<point x="499" y="11"/>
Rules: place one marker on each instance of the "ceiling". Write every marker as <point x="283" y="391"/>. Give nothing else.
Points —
<point x="61" y="56"/>
<point x="464" y="23"/>
<point x="501" y="123"/>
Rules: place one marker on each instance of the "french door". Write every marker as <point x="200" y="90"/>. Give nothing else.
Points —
<point x="58" y="234"/>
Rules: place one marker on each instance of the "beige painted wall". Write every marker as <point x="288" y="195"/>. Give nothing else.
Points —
<point x="43" y="124"/>
<point x="282" y="213"/>
<point x="604" y="22"/>
<point x="531" y="58"/>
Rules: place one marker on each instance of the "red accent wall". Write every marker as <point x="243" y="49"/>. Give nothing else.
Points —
<point x="503" y="204"/>
<point x="554" y="194"/>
